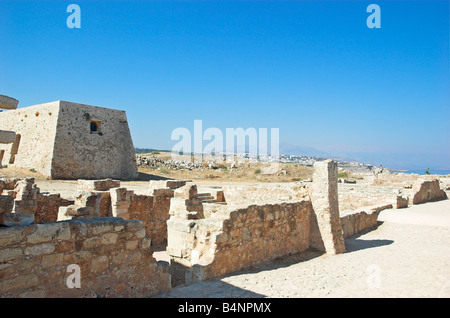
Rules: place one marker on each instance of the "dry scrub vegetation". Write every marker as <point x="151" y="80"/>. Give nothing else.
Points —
<point x="244" y="170"/>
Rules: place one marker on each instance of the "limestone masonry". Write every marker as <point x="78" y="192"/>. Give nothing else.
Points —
<point x="110" y="232"/>
<point x="64" y="140"/>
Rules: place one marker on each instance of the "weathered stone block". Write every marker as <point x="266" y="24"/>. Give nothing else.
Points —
<point x="99" y="264"/>
<point x="426" y="191"/>
<point x="49" y="232"/>
<point x="16" y="219"/>
<point x="40" y="249"/>
<point x="47" y="208"/>
<point x="6" y="204"/>
<point x="7" y="137"/>
<point x="11" y="235"/>
<point x="110" y="238"/>
<point x="171" y="184"/>
<point x="120" y="194"/>
<point x="52" y="260"/>
<point x="401" y="202"/>
<point x="97" y="185"/>
<point x="25" y="206"/>
<point x="7" y="102"/>
<point x="188" y="191"/>
<point x="10" y="254"/>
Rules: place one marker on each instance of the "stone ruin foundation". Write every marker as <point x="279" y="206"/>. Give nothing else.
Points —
<point x="110" y="232"/>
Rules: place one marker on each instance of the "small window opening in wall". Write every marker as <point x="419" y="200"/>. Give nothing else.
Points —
<point x="95" y="127"/>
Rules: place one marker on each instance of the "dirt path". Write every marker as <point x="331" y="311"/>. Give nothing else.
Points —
<point x="408" y="255"/>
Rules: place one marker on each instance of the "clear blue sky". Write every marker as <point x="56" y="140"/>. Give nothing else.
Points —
<point x="313" y="69"/>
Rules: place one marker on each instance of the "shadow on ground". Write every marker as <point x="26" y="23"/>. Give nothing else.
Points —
<point x="147" y="177"/>
<point x="217" y="288"/>
<point x="353" y="243"/>
<point x="213" y="288"/>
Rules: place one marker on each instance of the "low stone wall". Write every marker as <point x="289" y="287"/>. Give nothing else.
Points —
<point x="362" y="220"/>
<point x="426" y="191"/>
<point x="400" y="195"/>
<point x="48" y="206"/>
<point x="152" y="210"/>
<point x="113" y="255"/>
<point x="355" y="196"/>
<point x="232" y="239"/>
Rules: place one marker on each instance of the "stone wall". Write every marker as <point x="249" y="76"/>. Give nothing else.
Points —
<point x="152" y="210"/>
<point x="36" y="126"/>
<point x="234" y="238"/>
<point x="361" y="220"/>
<point x="399" y="194"/>
<point x="355" y="196"/>
<point x="80" y="153"/>
<point x="56" y="139"/>
<point x="113" y="255"/>
<point x="426" y="191"/>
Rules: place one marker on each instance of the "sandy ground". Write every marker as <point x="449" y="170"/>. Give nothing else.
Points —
<point x="408" y="255"/>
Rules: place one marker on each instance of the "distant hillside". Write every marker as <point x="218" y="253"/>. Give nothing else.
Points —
<point x="288" y="149"/>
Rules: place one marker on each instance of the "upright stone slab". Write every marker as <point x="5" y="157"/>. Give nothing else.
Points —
<point x="326" y="229"/>
<point x="7" y="137"/>
<point x="7" y="102"/>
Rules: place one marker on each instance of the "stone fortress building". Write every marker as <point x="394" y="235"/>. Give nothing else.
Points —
<point x="64" y="140"/>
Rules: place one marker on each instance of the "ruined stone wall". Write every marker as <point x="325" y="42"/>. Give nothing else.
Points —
<point x="153" y="211"/>
<point x="362" y="220"/>
<point x="81" y="153"/>
<point x="36" y="126"/>
<point x="426" y="191"/>
<point x="47" y="208"/>
<point x="399" y="194"/>
<point x="355" y="196"/>
<point x="232" y="239"/>
<point x="105" y="198"/>
<point x="114" y="257"/>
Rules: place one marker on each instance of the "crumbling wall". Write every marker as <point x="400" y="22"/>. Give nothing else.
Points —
<point x="362" y="220"/>
<point x="153" y="211"/>
<point x="400" y="194"/>
<point x="104" y="198"/>
<point x="232" y="239"/>
<point x="355" y="196"/>
<point x="426" y="191"/>
<point x="113" y="255"/>
<point x="47" y="207"/>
